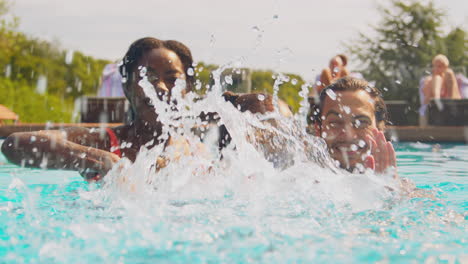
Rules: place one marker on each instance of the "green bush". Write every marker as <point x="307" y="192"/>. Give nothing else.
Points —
<point x="32" y="107"/>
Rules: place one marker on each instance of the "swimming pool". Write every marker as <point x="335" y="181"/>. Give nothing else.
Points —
<point x="53" y="216"/>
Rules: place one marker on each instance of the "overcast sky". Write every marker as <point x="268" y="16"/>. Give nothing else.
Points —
<point x="296" y="36"/>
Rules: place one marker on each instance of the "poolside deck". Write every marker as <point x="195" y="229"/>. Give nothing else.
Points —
<point x="398" y="133"/>
<point x="428" y="134"/>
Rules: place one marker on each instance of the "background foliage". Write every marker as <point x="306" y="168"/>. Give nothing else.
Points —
<point x="395" y="57"/>
<point x="400" y="52"/>
<point x="25" y="60"/>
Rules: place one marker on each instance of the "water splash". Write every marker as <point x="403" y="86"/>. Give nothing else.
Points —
<point x="69" y="57"/>
<point x="273" y="193"/>
<point x="269" y="151"/>
<point x="41" y="86"/>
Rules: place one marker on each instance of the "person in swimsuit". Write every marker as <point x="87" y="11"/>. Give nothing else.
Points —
<point x="93" y="152"/>
<point x="351" y="117"/>
<point x="336" y="70"/>
<point x="442" y="83"/>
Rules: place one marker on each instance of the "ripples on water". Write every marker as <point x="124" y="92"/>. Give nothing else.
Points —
<point x="54" y="216"/>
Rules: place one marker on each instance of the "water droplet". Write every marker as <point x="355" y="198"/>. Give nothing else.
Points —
<point x="212" y="40"/>
<point x="143" y="71"/>
<point x="34" y="150"/>
<point x="347" y="109"/>
<point x="398" y="82"/>
<point x="275" y="16"/>
<point x="228" y="79"/>
<point x="32" y="138"/>
<point x="324" y="134"/>
<point x="8" y="71"/>
<point x="385" y="89"/>
<point x="124" y="80"/>
<point x="361" y="143"/>
<point x="69" y="57"/>
<point x="357" y="123"/>
<point x="294" y="81"/>
<point x="331" y="94"/>
<point x="44" y="161"/>
<point x="190" y="72"/>
<point x="41" y="86"/>
<point x="198" y="84"/>
<point x="354" y="147"/>
<point x="261" y="97"/>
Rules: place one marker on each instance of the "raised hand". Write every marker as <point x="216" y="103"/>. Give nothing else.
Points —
<point x="382" y="154"/>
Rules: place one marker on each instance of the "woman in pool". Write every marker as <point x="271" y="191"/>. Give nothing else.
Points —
<point x="93" y="152"/>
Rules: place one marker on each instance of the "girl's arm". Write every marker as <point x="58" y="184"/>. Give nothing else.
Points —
<point x="77" y="149"/>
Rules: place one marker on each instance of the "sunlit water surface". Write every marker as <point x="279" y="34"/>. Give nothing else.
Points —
<point x="54" y="216"/>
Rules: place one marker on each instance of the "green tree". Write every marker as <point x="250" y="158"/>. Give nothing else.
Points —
<point x="25" y="60"/>
<point x="400" y="51"/>
<point x="456" y="43"/>
<point x="262" y="81"/>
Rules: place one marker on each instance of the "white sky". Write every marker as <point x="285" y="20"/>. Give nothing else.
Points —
<point x="306" y="34"/>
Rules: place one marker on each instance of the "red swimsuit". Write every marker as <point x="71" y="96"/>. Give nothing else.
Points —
<point x="115" y="148"/>
<point x="114" y="141"/>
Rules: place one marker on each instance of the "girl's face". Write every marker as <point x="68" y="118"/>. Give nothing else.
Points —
<point x="163" y="68"/>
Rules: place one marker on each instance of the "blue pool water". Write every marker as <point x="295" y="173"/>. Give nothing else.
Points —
<point x="53" y="216"/>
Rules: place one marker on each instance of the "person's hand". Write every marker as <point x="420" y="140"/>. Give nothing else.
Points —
<point x="99" y="169"/>
<point x="382" y="154"/>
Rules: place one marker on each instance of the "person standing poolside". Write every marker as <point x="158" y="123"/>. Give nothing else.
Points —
<point x="442" y="83"/>
<point x="351" y="118"/>
<point x="336" y="70"/>
<point x="93" y="152"/>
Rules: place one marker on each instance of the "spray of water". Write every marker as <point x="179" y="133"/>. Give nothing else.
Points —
<point x="270" y="158"/>
<point x="273" y="192"/>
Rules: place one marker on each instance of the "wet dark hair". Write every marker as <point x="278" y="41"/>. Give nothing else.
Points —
<point x="354" y="84"/>
<point x="140" y="47"/>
